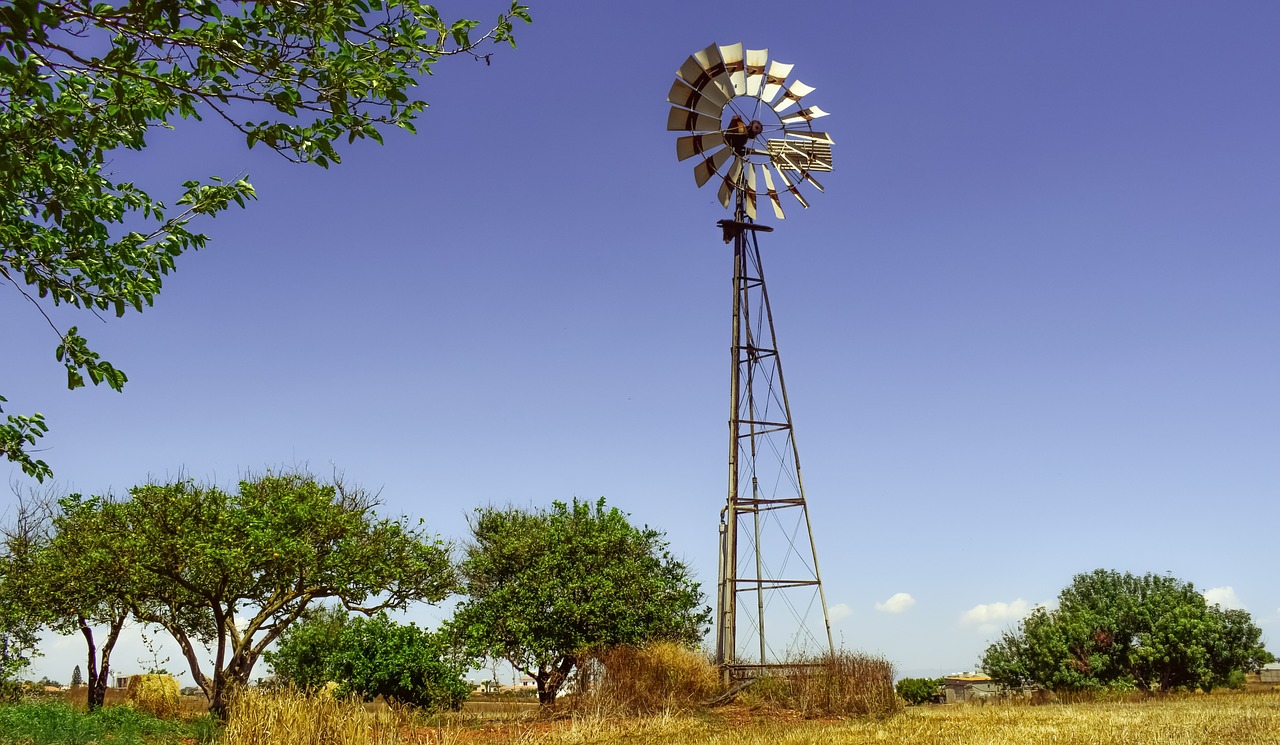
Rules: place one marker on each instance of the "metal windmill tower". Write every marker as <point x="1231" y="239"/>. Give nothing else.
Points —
<point x="738" y="109"/>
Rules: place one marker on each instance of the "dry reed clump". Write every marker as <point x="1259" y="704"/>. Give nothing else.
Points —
<point x="843" y="684"/>
<point x="657" y="677"/>
<point x="286" y="716"/>
<point x="155" y="694"/>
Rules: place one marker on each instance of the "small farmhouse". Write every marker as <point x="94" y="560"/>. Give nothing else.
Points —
<point x="968" y="686"/>
<point x="1271" y="673"/>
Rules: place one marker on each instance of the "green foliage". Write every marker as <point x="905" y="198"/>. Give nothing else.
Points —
<point x="234" y="570"/>
<point x="916" y="691"/>
<point x="545" y="586"/>
<point x="81" y="81"/>
<point x="57" y="583"/>
<point x="55" y="722"/>
<point x="301" y="657"/>
<point x="1117" y="631"/>
<point x="19" y="627"/>
<point x="369" y="657"/>
<point x="400" y="662"/>
<point x="77" y="677"/>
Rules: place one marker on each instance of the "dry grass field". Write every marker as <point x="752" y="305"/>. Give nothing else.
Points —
<point x="1218" y="719"/>
<point x="1225" y="717"/>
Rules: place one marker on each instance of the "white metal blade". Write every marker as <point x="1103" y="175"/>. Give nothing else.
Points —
<point x="804" y="115"/>
<point x="791" y="187"/>
<point x="734" y="68"/>
<point x="774" y="80"/>
<point x="791" y="95"/>
<point x="691" y="145"/>
<point x="755" y="67"/>
<point x="682" y="95"/>
<point x="703" y="172"/>
<point x="713" y="64"/>
<point x="693" y="73"/>
<point x="691" y="121"/>
<point x="750" y="193"/>
<point x="773" y="193"/>
<point x="808" y="176"/>
<point x="808" y="134"/>
<point x="730" y="183"/>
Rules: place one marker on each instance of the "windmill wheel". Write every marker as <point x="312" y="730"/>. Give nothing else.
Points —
<point x="738" y="110"/>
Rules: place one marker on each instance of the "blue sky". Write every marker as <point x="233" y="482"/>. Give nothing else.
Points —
<point x="1029" y="330"/>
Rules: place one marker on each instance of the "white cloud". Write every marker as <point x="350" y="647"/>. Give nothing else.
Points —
<point x="990" y="616"/>
<point x="898" y="603"/>
<point x="1224" y="596"/>
<point x="839" y="612"/>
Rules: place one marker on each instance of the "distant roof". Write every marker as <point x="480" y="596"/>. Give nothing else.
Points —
<point x="971" y="677"/>
<point x="1271" y="666"/>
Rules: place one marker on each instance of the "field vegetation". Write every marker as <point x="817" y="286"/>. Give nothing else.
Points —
<point x="284" y="717"/>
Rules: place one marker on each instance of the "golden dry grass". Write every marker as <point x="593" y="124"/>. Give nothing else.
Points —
<point x="655" y="678"/>
<point x="155" y="694"/>
<point x="1220" y="719"/>
<point x="1217" y="720"/>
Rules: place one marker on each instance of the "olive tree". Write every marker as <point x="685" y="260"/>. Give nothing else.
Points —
<point x="62" y="579"/>
<point x="1113" y="630"/>
<point x="233" y="570"/>
<point x="545" y="586"/>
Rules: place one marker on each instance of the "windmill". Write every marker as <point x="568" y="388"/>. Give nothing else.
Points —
<point x="748" y="123"/>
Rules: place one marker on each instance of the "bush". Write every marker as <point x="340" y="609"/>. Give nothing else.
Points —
<point x="155" y="694"/>
<point x="656" y="677"/>
<point x="916" y="691"/>
<point x="844" y="684"/>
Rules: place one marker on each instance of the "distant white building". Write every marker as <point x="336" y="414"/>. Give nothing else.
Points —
<point x="1271" y="673"/>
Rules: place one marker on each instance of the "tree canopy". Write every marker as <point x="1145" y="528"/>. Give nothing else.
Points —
<point x="233" y="570"/>
<point x="1113" y="630"/>
<point x="65" y="580"/>
<point x="370" y="657"/>
<point x="80" y="80"/>
<point x="545" y="586"/>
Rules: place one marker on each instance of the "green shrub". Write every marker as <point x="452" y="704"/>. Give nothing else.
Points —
<point x="916" y="691"/>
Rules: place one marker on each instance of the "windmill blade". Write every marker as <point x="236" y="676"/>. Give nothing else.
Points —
<point x="773" y="193"/>
<point x="755" y="64"/>
<point x="804" y="115"/>
<point x="691" y="145"/>
<point x="774" y="80"/>
<point x="703" y="172"/>
<point x="791" y="187"/>
<point x="750" y="193"/>
<point x="682" y="95"/>
<point x="693" y="73"/>
<point x="734" y="68"/>
<point x="808" y="134"/>
<point x="791" y="95"/>
<point x="691" y="121"/>
<point x="808" y="176"/>
<point x="730" y="183"/>
<point x="713" y="65"/>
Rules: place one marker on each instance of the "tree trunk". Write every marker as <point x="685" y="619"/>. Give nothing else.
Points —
<point x="227" y="682"/>
<point x="551" y="679"/>
<point x="100" y="673"/>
